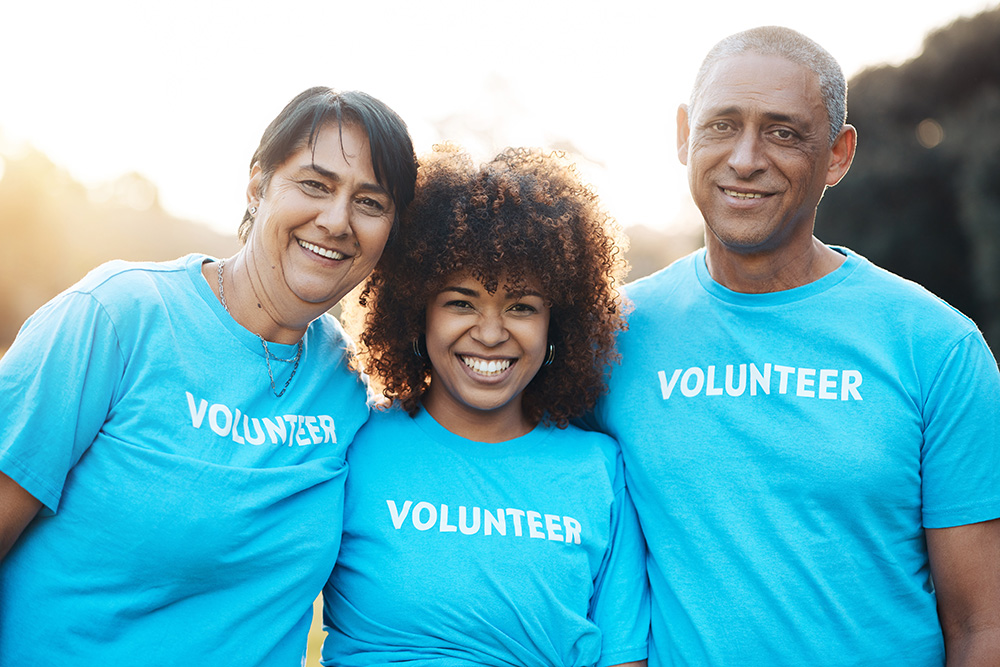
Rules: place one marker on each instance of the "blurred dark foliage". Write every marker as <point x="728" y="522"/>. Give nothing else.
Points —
<point x="922" y="198"/>
<point x="53" y="231"/>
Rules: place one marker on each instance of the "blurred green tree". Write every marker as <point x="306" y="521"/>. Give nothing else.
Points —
<point x="922" y="198"/>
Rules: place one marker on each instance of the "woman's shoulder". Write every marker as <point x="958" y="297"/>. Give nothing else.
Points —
<point x="573" y="432"/>
<point x="327" y="331"/>
<point x="122" y="288"/>
<point x="385" y="423"/>
<point x="591" y="444"/>
<point x="122" y="285"/>
<point x="120" y="272"/>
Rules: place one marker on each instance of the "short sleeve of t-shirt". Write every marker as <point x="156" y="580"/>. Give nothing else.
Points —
<point x="960" y="453"/>
<point x="620" y="604"/>
<point x="57" y="384"/>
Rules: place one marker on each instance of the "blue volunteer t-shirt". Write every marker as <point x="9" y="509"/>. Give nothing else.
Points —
<point x="190" y="517"/>
<point x="458" y="552"/>
<point x="785" y="453"/>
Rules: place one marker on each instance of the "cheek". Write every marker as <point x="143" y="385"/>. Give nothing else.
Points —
<point x="698" y="172"/>
<point x="535" y="339"/>
<point x="262" y="236"/>
<point x="440" y="332"/>
<point x="372" y="237"/>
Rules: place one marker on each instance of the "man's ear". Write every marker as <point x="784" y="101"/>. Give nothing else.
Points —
<point x="842" y="154"/>
<point x="683" y="134"/>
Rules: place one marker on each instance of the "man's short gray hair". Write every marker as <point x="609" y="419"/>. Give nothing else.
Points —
<point x="791" y="45"/>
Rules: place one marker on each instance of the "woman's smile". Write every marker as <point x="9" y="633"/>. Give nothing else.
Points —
<point x="321" y="251"/>
<point x="484" y="348"/>
<point x="491" y="368"/>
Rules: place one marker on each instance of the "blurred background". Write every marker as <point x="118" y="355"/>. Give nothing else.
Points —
<point x="126" y="128"/>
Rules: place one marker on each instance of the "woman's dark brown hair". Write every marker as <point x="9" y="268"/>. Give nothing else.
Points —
<point x="524" y="215"/>
<point x="300" y="122"/>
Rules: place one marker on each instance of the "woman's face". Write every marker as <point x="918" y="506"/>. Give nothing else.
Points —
<point x="484" y="349"/>
<point x="322" y="221"/>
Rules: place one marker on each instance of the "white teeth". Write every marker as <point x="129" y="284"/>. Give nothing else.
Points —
<point x="742" y="195"/>
<point x="331" y="254"/>
<point x="483" y="367"/>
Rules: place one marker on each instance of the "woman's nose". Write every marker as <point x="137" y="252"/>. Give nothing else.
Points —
<point x="335" y="218"/>
<point x="490" y="330"/>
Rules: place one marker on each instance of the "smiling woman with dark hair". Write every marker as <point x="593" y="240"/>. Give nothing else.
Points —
<point x="479" y="527"/>
<point x="173" y="434"/>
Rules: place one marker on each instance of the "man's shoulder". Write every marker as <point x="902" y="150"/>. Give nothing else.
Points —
<point x="906" y="298"/>
<point x="659" y="284"/>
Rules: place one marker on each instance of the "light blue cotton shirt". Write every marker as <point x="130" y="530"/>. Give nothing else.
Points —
<point x="786" y="451"/>
<point x="456" y="552"/>
<point x="190" y="517"/>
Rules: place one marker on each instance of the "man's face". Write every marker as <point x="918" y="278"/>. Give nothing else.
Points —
<point x="757" y="151"/>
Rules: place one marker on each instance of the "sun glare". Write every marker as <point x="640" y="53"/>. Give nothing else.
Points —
<point x="602" y="81"/>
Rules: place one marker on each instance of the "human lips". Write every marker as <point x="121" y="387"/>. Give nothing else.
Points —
<point x="743" y="194"/>
<point x="486" y="367"/>
<point x="321" y="251"/>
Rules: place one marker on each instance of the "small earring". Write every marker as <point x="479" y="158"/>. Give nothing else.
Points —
<point x="253" y="210"/>
<point x="551" y="356"/>
<point x="419" y="347"/>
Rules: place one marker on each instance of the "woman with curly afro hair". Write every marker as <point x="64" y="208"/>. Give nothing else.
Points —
<point x="480" y="526"/>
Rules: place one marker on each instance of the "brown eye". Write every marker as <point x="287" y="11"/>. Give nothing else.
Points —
<point x="313" y="185"/>
<point x="371" y="206"/>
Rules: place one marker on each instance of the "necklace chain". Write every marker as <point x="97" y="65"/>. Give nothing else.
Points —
<point x="267" y="353"/>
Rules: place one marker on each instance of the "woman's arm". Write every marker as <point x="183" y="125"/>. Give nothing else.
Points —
<point x="17" y="509"/>
<point x="62" y="373"/>
<point x="637" y="663"/>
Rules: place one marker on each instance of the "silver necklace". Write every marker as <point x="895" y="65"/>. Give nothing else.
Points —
<point x="267" y="353"/>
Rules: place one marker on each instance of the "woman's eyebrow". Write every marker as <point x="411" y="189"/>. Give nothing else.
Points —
<point x="335" y="177"/>
<point x="464" y="291"/>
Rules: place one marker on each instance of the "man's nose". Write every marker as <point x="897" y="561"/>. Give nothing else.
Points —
<point x="748" y="154"/>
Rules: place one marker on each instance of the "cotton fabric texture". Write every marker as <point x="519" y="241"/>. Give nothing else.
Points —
<point x="785" y="453"/>
<point x="458" y="552"/>
<point x="190" y="517"/>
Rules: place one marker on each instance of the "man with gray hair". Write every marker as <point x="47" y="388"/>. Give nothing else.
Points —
<point x="811" y="442"/>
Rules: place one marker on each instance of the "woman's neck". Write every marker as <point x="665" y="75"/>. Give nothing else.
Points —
<point x="500" y="425"/>
<point x="247" y="300"/>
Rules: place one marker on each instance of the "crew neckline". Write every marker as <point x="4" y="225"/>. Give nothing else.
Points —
<point x="851" y="263"/>
<point x="529" y="441"/>
<point x="249" y="339"/>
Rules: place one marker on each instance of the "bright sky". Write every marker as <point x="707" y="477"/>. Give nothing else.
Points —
<point x="180" y="91"/>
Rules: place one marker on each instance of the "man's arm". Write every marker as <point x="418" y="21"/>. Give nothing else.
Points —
<point x="17" y="509"/>
<point x="965" y="565"/>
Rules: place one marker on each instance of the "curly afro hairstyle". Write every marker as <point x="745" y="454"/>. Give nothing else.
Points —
<point x="525" y="215"/>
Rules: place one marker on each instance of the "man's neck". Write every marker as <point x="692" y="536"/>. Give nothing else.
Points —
<point x="770" y="271"/>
